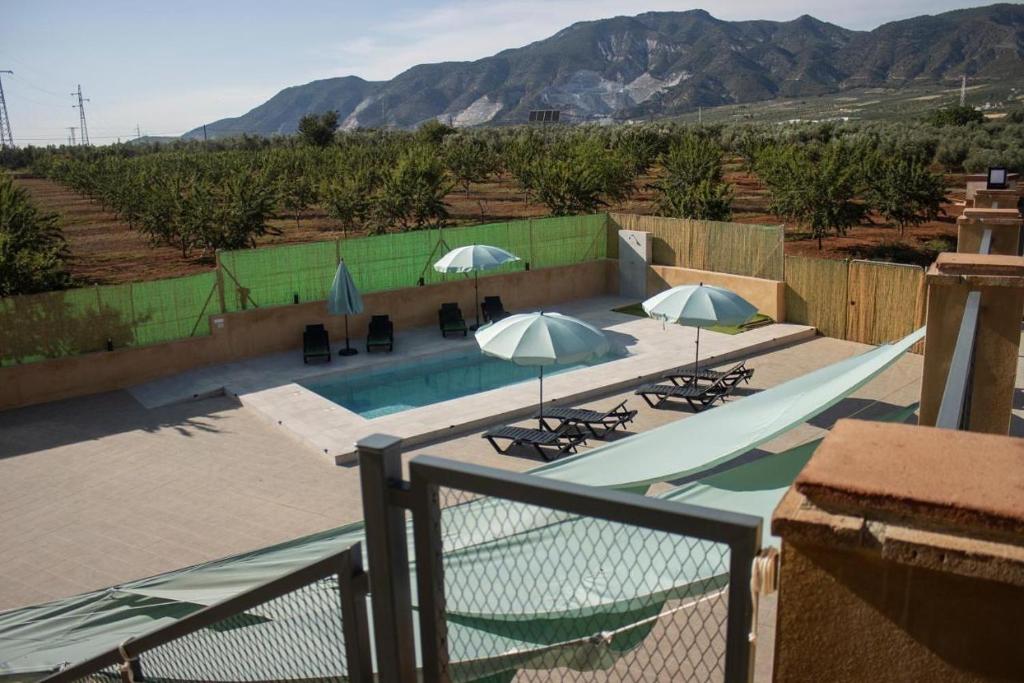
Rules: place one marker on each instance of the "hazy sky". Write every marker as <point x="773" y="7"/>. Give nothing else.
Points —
<point x="171" y="66"/>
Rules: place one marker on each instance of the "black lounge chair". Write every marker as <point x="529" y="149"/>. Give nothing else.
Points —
<point x="449" y="317"/>
<point x="699" y="397"/>
<point x="563" y="440"/>
<point x="609" y="420"/>
<point x="739" y="372"/>
<point x="381" y="334"/>
<point x="492" y="309"/>
<point x="315" y="343"/>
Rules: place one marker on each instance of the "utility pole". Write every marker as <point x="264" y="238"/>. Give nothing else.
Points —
<point x="138" y="133"/>
<point x="6" y="137"/>
<point x="81" y="113"/>
<point x="71" y="136"/>
<point x="205" y="139"/>
<point x="963" y="90"/>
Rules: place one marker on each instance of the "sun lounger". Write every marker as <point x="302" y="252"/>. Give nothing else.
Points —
<point x="449" y="317"/>
<point x="492" y="309"/>
<point x="381" y="334"/>
<point x="315" y="343"/>
<point x="562" y="440"/>
<point x="698" y="396"/>
<point x="608" y="421"/>
<point x="739" y="372"/>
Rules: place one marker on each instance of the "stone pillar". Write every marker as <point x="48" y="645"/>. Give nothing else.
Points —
<point x="1005" y="225"/>
<point x="634" y="260"/>
<point x="903" y="558"/>
<point x="1000" y="279"/>
<point x="978" y="182"/>
<point x="996" y="199"/>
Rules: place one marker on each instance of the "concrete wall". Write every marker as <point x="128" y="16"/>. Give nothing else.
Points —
<point x="273" y="329"/>
<point x="995" y="199"/>
<point x="768" y="295"/>
<point x="852" y="617"/>
<point x="902" y="558"/>
<point x="1005" y="225"/>
<point x="996" y="347"/>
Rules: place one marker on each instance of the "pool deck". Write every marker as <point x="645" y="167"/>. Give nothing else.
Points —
<point x="268" y="384"/>
<point x="99" y="490"/>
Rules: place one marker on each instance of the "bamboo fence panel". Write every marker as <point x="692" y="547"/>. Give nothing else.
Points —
<point x="887" y="301"/>
<point x="737" y="248"/>
<point x="816" y="294"/>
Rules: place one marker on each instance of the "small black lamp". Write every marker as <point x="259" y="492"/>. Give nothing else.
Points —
<point x="997" y="178"/>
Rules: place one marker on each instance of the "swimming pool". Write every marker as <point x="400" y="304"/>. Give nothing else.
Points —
<point x="382" y="392"/>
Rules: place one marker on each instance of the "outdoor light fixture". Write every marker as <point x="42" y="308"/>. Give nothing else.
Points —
<point x="996" y="178"/>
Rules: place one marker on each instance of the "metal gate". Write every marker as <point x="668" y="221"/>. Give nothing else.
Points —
<point x="528" y="577"/>
<point x="310" y="624"/>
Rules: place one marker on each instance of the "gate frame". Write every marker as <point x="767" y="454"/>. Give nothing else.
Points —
<point x="380" y="463"/>
<point x="346" y="566"/>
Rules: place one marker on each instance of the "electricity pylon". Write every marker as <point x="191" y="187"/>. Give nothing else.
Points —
<point x="82" y="129"/>
<point x="6" y="137"/>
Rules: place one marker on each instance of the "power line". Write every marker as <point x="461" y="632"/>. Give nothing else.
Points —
<point x="81" y="112"/>
<point x="6" y="136"/>
<point x="32" y="85"/>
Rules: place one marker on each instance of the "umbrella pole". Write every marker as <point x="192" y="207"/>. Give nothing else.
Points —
<point x="476" y="298"/>
<point x="696" y="355"/>
<point x="541" y="411"/>
<point x="348" y="350"/>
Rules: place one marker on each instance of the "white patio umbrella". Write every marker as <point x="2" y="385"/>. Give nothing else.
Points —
<point x="542" y="339"/>
<point x="699" y="306"/>
<point x="474" y="258"/>
<point x="344" y="299"/>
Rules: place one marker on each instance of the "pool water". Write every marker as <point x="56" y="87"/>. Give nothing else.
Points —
<point x="391" y="390"/>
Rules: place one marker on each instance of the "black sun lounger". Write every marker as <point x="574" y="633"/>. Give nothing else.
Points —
<point x="699" y="397"/>
<point x="381" y="334"/>
<point x="563" y="440"/>
<point x="315" y="343"/>
<point x="492" y="308"/>
<point x="608" y="421"/>
<point x="739" y="372"/>
<point x="449" y="317"/>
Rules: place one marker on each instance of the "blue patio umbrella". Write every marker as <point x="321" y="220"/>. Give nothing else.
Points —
<point x="344" y="299"/>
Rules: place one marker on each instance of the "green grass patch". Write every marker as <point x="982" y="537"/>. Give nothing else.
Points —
<point x="758" y="320"/>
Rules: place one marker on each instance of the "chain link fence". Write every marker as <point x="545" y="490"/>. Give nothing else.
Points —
<point x="310" y="625"/>
<point x="579" y="598"/>
<point x="529" y="579"/>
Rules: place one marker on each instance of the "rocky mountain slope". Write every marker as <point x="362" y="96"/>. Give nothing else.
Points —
<point x="660" y="64"/>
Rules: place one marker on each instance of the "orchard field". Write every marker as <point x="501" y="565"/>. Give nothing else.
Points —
<point x="887" y="191"/>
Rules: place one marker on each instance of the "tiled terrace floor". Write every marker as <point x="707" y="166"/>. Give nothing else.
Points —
<point x="99" y="490"/>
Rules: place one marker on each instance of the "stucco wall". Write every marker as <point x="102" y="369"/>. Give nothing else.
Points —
<point x="850" y="616"/>
<point x="267" y="330"/>
<point x="768" y="295"/>
<point x="1005" y="235"/>
<point x="996" y="348"/>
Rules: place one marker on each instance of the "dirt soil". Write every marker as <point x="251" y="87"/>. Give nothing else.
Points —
<point x="104" y="250"/>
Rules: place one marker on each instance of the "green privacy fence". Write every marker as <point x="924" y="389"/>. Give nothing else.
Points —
<point x="55" y="324"/>
<point x="274" y="277"/>
<point x="74" y="321"/>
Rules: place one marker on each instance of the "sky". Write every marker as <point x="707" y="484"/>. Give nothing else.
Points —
<point x="167" y="67"/>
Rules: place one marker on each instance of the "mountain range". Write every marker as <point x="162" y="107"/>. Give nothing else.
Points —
<point x="659" y="64"/>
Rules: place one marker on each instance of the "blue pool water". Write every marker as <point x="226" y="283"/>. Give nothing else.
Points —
<point x="383" y="392"/>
